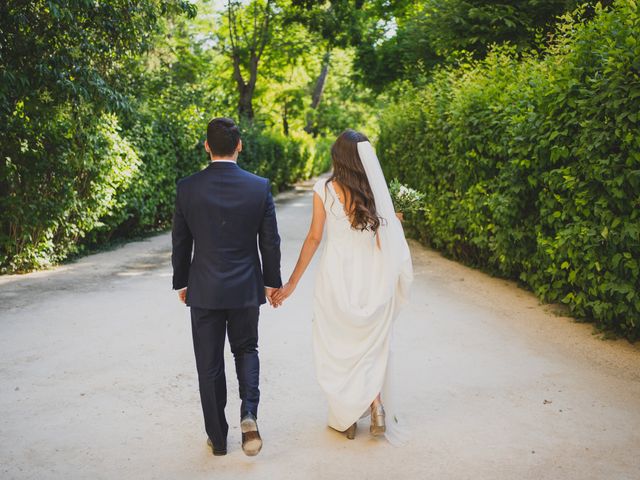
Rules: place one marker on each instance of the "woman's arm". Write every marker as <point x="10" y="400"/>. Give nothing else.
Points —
<point x="309" y="247"/>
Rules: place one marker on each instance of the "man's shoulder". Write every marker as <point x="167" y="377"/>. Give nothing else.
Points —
<point x="191" y="178"/>
<point x="252" y="177"/>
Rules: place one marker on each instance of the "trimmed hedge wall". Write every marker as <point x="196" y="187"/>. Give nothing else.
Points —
<point x="531" y="166"/>
<point x="101" y="180"/>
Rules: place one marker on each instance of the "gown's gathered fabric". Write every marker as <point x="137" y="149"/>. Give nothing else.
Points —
<point x="359" y="290"/>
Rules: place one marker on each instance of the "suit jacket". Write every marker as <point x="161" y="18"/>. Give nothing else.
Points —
<point x="225" y="214"/>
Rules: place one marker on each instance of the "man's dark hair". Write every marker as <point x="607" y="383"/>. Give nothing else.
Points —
<point x="223" y="136"/>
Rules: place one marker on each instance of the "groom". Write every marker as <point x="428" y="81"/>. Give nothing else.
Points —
<point x="223" y="214"/>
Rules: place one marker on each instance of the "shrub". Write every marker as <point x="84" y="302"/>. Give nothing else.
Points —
<point x="531" y="165"/>
<point x="96" y="182"/>
<point x="61" y="187"/>
<point x="98" y="120"/>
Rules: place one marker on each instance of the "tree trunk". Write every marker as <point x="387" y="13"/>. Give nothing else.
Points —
<point x="245" y="104"/>
<point x="256" y="46"/>
<point x="285" y="120"/>
<point x="245" y="89"/>
<point x="317" y="92"/>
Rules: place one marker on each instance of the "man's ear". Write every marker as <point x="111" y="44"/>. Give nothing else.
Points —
<point x="239" y="147"/>
<point x="206" y="147"/>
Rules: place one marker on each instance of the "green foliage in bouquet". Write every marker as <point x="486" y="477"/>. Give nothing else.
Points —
<point x="406" y="200"/>
<point x="531" y="165"/>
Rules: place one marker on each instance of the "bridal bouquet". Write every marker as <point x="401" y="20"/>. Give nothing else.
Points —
<point x="406" y="200"/>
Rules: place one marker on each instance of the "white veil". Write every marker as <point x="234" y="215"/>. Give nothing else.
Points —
<point x="398" y="271"/>
<point x="396" y="277"/>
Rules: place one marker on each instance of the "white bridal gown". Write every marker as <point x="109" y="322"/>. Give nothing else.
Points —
<point x="359" y="289"/>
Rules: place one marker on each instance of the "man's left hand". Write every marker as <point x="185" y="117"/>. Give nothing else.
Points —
<point x="268" y="292"/>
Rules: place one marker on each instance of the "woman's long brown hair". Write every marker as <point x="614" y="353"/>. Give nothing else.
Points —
<point x="349" y="173"/>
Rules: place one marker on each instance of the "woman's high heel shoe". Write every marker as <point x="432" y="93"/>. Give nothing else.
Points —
<point x="378" y="426"/>
<point x="351" y="431"/>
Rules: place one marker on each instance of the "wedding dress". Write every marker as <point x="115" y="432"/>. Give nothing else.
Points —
<point x="360" y="286"/>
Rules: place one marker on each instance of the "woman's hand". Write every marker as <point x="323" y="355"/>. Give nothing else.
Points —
<point x="283" y="293"/>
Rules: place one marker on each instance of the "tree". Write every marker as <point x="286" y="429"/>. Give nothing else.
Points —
<point x="249" y="33"/>
<point x="431" y="32"/>
<point x="336" y="23"/>
<point x="65" y="64"/>
<point x="475" y="25"/>
<point x="68" y="50"/>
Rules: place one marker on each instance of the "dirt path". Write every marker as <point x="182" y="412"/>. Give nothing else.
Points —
<point x="98" y="381"/>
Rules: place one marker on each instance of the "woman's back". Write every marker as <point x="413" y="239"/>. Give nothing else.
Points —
<point x="351" y="262"/>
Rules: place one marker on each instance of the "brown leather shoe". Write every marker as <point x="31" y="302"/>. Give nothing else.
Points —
<point x="251" y="440"/>
<point x="217" y="452"/>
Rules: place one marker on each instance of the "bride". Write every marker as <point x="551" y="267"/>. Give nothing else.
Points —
<point x="363" y="279"/>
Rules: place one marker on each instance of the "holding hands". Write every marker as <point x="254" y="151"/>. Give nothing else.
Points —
<point x="275" y="296"/>
<point x="282" y="293"/>
<point x="268" y="292"/>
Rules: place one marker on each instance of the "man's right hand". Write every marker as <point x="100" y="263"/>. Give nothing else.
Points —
<point x="182" y="295"/>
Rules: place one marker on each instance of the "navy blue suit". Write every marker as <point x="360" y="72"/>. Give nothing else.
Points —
<point x="225" y="217"/>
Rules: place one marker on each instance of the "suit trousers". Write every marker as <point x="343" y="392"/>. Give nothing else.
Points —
<point x="209" y="329"/>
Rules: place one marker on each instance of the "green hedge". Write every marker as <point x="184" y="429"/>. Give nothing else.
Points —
<point x="283" y="159"/>
<point x="96" y="181"/>
<point x="531" y="165"/>
<point x="60" y="186"/>
<point x="99" y="122"/>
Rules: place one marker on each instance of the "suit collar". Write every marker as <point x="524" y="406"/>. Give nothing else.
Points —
<point x="218" y="165"/>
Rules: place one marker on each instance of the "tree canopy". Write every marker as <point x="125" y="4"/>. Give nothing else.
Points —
<point x="104" y="103"/>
